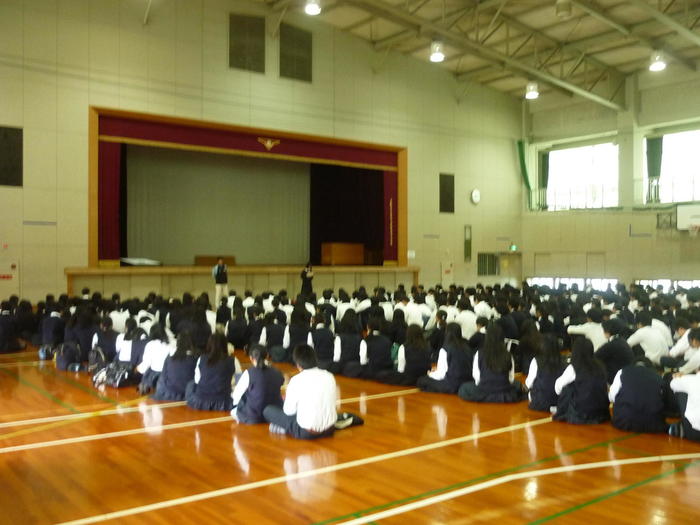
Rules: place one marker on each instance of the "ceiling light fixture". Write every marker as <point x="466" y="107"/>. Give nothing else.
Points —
<point x="532" y="91"/>
<point x="563" y="8"/>
<point x="657" y="62"/>
<point x="437" y="53"/>
<point x="312" y="7"/>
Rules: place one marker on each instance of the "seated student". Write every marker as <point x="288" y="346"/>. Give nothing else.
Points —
<point x="582" y="388"/>
<point x="647" y="341"/>
<point x="322" y="340"/>
<point x="296" y="332"/>
<point x="692" y="355"/>
<point x="453" y="364"/>
<point x="309" y="405"/>
<point x="223" y="312"/>
<point x="687" y="390"/>
<point x="106" y="339"/>
<point x="9" y="340"/>
<point x="375" y="353"/>
<point x="346" y="348"/>
<point x="530" y="343"/>
<point x="272" y="337"/>
<point x="258" y="387"/>
<point x="155" y="352"/>
<point x="545" y="368"/>
<point x="254" y="314"/>
<point x="397" y="328"/>
<point x="640" y="399"/>
<point x="677" y="355"/>
<point x="492" y="372"/>
<point x="413" y="360"/>
<point x="211" y="387"/>
<point x="477" y="340"/>
<point x="237" y="332"/>
<point x="437" y="336"/>
<point x="125" y="341"/>
<point x="178" y="370"/>
<point x="616" y="353"/>
<point x="52" y="327"/>
<point x="592" y="329"/>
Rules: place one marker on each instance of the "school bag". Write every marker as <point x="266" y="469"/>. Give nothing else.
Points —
<point x="116" y="375"/>
<point x="67" y="354"/>
<point x="96" y="360"/>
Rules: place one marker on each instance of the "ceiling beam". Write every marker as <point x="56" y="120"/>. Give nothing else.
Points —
<point x="399" y="16"/>
<point x="666" y="20"/>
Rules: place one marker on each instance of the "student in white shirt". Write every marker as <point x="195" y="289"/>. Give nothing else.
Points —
<point x="592" y="330"/>
<point x="156" y="351"/>
<point x="648" y="338"/>
<point x="677" y="354"/>
<point x="309" y="405"/>
<point x="687" y="390"/>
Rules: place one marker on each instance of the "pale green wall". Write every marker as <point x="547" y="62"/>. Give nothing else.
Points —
<point x="623" y="243"/>
<point x="57" y="57"/>
<point x="181" y="204"/>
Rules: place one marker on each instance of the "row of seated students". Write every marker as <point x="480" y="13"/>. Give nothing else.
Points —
<point x="357" y="357"/>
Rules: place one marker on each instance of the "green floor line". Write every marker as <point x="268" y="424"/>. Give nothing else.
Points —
<point x="78" y="385"/>
<point x="632" y="451"/>
<point x="471" y="481"/>
<point x="43" y="392"/>
<point x="615" y="493"/>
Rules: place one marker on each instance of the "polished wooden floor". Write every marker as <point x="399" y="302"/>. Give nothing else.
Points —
<point x="72" y="454"/>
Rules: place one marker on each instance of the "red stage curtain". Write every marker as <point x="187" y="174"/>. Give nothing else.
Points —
<point x="391" y="216"/>
<point x="110" y="161"/>
<point x="242" y="141"/>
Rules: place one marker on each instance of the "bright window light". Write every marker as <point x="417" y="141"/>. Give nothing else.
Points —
<point x="584" y="177"/>
<point x="680" y="168"/>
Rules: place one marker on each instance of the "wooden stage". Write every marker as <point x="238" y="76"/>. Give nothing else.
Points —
<point x="71" y="454"/>
<point x="139" y="281"/>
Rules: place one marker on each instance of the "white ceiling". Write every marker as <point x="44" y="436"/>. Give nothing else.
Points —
<point x="506" y="43"/>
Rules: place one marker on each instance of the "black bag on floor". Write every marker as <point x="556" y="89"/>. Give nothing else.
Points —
<point x="66" y="355"/>
<point x="116" y="375"/>
<point x="96" y="360"/>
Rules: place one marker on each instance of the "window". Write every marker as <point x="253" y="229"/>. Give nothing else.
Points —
<point x="447" y="193"/>
<point x="487" y="264"/>
<point x="295" y="53"/>
<point x="679" y="179"/>
<point x="582" y="283"/>
<point x="247" y="43"/>
<point x="583" y="177"/>
<point x="10" y="156"/>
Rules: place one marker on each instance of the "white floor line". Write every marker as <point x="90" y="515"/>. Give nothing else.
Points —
<point x="300" y="475"/>
<point x="126" y="410"/>
<point x="512" y="477"/>
<point x="86" y="415"/>
<point x="119" y="433"/>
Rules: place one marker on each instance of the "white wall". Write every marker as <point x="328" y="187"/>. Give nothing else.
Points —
<point x="57" y="57"/>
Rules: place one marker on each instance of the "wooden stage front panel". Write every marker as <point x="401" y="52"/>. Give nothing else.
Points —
<point x="72" y="453"/>
<point x="138" y="281"/>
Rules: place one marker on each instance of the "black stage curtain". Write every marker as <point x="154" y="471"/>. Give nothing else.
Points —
<point x="347" y="205"/>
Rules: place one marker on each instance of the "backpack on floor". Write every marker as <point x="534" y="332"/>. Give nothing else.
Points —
<point x="96" y="360"/>
<point x="46" y="352"/>
<point x="116" y="375"/>
<point x="66" y="355"/>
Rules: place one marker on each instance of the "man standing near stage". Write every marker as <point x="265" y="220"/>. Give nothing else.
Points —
<point x="220" y="274"/>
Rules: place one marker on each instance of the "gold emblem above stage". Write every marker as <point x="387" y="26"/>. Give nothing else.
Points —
<point x="268" y="143"/>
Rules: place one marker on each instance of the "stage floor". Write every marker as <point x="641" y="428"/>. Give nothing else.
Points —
<point x="73" y="454"/>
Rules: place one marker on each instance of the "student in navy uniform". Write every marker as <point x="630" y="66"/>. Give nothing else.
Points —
<point x="375" y="353"/>
<point x="476" y="341"/>
<point x="297" y="331"/>
<point x="9" y="341"/>
<point x="211" y="387"/>
<point x="223" y="312"/>
<point x="309" y="406"/>
<point x="272" y="336"/>
<point x="220" y="274"/>
<point x="545" y="368"/>
<point x="84" y="330"/>
<point x="437" y="336"/>
<point x="346" y="347"/>
<point x="237" y="331"/>
<point x="493" y="372"/>
<point x="640" y="399"/>
<point x="453" y="364"/>
<point x="398" y="327"/>
<point x="322" y="339"/>
<point x="413" y="360"/>
<point x="52" y="327"/>
<point x="155" y="353"/>
<point x="178" y="371"/>
<point x="616" y="353"/>
<point x="106" y="339"/>
<point x="258" y="387"/>
<point x="582" y="388"/>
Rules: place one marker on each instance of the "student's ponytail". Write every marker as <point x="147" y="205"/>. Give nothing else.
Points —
<point x="258" y="354"/>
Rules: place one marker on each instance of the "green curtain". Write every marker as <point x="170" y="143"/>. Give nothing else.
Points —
<point x="543" y="178"/>
<point x="523" y="171"/>
<point x="655" y="148"/>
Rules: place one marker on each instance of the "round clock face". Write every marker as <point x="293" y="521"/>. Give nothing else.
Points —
<point x="476" y="196"/>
